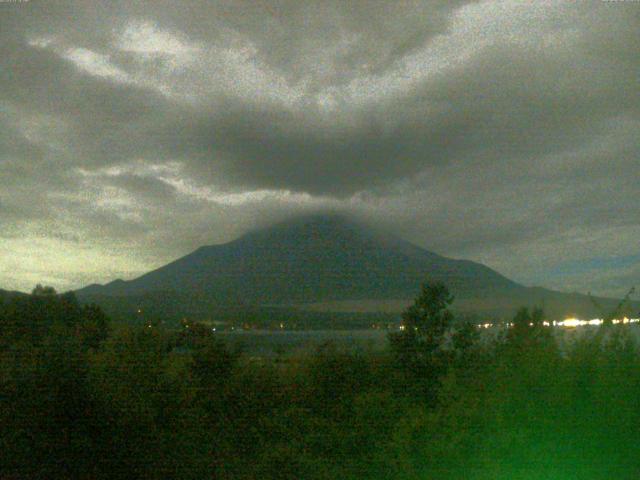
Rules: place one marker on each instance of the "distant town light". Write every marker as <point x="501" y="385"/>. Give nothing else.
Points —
<point x="570" y="322"/>
<point x="576" y="322"/>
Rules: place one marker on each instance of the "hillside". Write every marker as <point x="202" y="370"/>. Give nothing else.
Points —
<point x="323" y="260"/>
<point x="7" y="294"/>
<point x="309" y="259"/>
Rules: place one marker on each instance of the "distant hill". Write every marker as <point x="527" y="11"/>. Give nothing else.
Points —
<point x="5" y="294"/>
<point x="322" y="261"/>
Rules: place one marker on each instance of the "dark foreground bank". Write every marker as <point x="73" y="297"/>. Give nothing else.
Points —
<point x="81" y="398"/>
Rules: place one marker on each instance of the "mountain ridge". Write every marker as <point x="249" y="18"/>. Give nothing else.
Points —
<point x="325" y="253"/>
<point x="328" y="259"/>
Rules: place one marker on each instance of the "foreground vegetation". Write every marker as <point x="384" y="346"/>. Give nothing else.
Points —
<point x="80" y="398"/>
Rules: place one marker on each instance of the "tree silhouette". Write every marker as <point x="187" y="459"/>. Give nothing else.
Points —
<point x="41" y="291"/>
<point x="419" y="347"/>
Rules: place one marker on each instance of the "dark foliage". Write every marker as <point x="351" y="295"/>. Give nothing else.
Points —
<point x="79" y="399"/>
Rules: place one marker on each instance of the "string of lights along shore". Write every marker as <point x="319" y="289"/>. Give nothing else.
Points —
<point x="572" y="322"/>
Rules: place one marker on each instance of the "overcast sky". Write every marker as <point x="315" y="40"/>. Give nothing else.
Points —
<point x="503" y="132"/>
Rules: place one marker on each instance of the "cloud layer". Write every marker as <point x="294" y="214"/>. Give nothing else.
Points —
<point x="505" y="132"/>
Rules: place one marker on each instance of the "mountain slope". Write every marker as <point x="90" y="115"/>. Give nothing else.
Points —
<point x="327" y="262"/>
<point x="7" y="294"/>
<point x="310" y="259"/>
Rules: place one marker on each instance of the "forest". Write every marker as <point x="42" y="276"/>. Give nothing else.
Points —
<point x="82" y="397"/>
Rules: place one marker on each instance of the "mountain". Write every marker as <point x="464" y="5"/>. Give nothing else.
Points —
<point x="309" y="259"/>
<point x="7" y="294"/>
<point x="323" y="261"/>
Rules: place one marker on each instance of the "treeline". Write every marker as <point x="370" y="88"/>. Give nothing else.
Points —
<point x="82" y="399"/>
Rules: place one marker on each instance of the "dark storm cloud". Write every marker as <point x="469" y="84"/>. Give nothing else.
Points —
<point x="493" y="130"/>
<point x="259" y="141"/>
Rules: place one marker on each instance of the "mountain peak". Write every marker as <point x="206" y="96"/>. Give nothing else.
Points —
<point x="321" y="230"/>
<point x="311" y="258"/>
<point x="317" y="222"/>
<point x="324" y="258"/>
